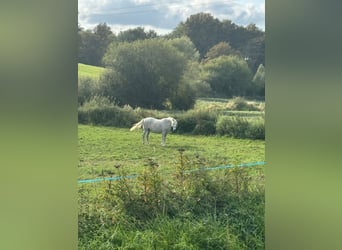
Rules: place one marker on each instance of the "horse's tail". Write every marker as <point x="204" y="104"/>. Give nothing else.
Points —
<point x="137" y="125"/>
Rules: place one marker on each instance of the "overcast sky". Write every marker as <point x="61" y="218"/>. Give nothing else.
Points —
<point x="164" y="15"/>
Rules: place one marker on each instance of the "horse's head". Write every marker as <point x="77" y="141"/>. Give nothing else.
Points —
<point x="173" y="123"/>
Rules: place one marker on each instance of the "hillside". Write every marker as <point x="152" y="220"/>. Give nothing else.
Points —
<point x="89" y="71"/>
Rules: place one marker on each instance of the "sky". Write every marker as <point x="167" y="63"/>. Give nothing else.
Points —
<point x="163" y="16"/>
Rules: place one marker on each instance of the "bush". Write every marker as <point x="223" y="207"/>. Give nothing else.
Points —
<point x="232" y="126"/>
<point x="87" y="88"/>
<point x="205" y="127"/>
<point x="239" y="127"/>
<point x="239" y="103"/>
<point x="101" y="111"/>
<point x="197" y="122"/>
<point x="256" y="130"/>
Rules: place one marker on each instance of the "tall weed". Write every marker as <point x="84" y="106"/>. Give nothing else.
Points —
<point x="190" y="209"/>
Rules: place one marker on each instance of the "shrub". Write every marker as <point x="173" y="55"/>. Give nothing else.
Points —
<point x="205" y="127"/>
<point x="101" y="111"/>
<point x="256" y="130"/>
<point x="198" y="122"/>
<point x="87" y="88"/>
<point x="239" y="127"/>
<point x="240" y="103"/>
<point x="186" y="123"/>
<point x="232" y="126"/>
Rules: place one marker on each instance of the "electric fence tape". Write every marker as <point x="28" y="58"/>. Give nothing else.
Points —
<point x="251" y="164"/>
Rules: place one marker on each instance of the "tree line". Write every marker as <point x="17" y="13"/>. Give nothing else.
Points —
<point x="201" y="57"/>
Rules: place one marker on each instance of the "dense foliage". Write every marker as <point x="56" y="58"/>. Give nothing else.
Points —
<point x="144" y="73"/>
<point x="171" y="71"/>
<point x="93" y="44"/>
<point x="188" y="211"/>
<point x="200" y="121"/>
<point x="227" y="76"/>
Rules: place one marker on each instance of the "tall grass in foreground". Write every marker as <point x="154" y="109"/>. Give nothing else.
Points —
<point x="165" y="233"/>
<point x="182" y="210"/>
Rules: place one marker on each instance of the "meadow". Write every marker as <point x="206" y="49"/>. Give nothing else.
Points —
<point x="85" y="70"/>
<point x="168" y="206"/>
<point x="101" y="148"/>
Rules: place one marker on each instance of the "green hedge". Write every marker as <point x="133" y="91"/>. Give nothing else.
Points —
<point x="107" y="116"/>
<point x="239" y="127"/>
<point x="196" y="122"/>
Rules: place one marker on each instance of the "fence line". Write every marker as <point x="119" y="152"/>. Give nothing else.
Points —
<point x="250" y="164"/>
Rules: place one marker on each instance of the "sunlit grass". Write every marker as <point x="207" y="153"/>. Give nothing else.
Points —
<point x="101" y="148"/>
<point x="89" y="71"/>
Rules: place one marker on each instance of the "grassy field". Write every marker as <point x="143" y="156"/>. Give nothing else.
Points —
<point x="170" y="203"/>
<point x="100" y="148"/>
<point x="89" y="71"/>
<point x="165" y="207"/>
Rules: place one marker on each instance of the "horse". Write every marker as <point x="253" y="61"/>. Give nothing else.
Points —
<point x="154" y="125"/>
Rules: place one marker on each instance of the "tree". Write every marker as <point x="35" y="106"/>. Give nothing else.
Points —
<point x="87" y="88"/>
<point x="227" y="76"/>
<point x="221" y="49"/>
<point x="184" y="97"/>
<point x="104" y="37"/>
<point x="228" y="29"/>
<point x="135" y="34"/>
<point x="93" y="44"/>
<point x="203" y="30"/>
<point x="88" y="52"/>
<point x="186" y="47"/>
<point x="144" y="73"/>
<point x="177" y="32"/>
<point x="254" y="50"/>
<point x="250" y="41"/>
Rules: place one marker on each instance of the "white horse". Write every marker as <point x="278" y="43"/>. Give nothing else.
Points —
<point x="151" y="124"/>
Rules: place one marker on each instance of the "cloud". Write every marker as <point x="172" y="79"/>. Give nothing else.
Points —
<point x="164" y="15"/>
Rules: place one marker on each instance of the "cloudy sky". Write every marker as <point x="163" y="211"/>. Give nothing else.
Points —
<point x="164" y="15"/>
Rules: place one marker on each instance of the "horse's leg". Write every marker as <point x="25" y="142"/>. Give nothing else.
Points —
<point x="143" y="136"/>
<point x="164" y="133"/>
<point x="148" y="136"/>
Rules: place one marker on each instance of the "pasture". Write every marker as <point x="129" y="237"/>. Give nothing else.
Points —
<point x="166" y="207"/>
<point x="101" y="148"/>
<point x="89" y="71"/>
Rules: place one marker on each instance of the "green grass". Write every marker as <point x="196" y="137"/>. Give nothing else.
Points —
<point x="100" y="148"/>
<point x="89" y="71"/>
<point x="165" y="233"/>
<point x="163" y="209"/>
